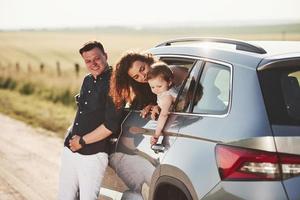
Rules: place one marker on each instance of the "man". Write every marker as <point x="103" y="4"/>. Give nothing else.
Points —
<point x="84" y="157"/>
<point x="179" y="73"/>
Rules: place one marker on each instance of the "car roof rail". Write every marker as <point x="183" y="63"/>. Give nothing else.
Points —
<point x="240" y="45"/>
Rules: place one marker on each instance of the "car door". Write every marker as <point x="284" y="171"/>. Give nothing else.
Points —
<point x="135" y="160"/>
<point x="203" y="122"/>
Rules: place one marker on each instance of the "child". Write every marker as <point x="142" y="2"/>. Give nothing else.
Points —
<point x="160" y="81"/>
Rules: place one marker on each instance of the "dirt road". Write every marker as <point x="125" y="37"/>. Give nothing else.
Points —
<point x="29" y="161"/>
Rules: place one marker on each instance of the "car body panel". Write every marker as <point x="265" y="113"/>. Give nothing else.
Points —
<point x="134" y="160"/>
<point x="287" y="139"/>
<point x="248" y="61"/>
<point x="190" y="139"/>
<point x="200" y="154"/>
<point x="292" y="188"/>
<point x="247" y="190"/>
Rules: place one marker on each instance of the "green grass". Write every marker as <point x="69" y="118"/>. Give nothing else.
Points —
<point x="36" y="112"/>
<point x="57" y="91"/>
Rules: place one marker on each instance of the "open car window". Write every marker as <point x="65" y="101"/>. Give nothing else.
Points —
<point x="185" y="73"/>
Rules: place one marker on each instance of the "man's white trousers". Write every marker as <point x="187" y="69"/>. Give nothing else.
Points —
<point x="81" y="173"/>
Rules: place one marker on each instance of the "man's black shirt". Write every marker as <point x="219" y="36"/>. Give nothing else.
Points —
<point x="95" y="107"/>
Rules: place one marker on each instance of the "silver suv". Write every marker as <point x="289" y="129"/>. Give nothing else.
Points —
<point x="233" y="132"/>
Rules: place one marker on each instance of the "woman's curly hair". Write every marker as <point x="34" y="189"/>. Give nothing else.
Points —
<point x="123" y="88"/>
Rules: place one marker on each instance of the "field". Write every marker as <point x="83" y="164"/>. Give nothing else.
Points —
<point x="37" y="67"/>
<point x="49" y="47"/>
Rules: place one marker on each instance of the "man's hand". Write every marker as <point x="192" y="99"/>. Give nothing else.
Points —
<point x="74" y="143"/>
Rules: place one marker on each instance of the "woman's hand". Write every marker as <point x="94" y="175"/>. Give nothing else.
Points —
<point x="145" y="111"/>
<point x="155" y="112"/>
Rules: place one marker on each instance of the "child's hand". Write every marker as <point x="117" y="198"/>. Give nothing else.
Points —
<point x="154" y="140"/>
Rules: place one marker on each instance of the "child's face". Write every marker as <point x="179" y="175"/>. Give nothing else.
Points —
<point x="158" y="85"/>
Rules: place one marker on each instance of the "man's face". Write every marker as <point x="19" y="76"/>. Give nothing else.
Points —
<point x="95" y="61"/>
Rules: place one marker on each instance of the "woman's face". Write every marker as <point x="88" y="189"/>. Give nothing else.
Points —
<point x="138" y="71"/>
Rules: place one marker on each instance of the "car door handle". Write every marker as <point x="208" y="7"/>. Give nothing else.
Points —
<point x="158" y="148"/>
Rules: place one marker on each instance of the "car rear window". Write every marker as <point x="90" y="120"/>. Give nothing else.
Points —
<point x="291" y="93"/>
<point x="280" y="87"/>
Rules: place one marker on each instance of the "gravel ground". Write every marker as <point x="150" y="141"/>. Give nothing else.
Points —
<point x="29" y="161"/>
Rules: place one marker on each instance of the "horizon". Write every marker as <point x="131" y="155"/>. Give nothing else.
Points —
<point x="191" y="25"/>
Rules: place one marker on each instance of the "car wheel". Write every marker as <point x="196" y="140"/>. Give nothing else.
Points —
<point x="169" y="192"/>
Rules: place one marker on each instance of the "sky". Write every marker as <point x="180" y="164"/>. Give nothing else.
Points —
<point x="30" y="14"/>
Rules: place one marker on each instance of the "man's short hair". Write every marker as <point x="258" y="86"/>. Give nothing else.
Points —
<point x="90" y="45"/>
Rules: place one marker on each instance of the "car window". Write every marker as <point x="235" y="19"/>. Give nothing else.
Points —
<point x="215" y="81"/>
<point x="281" y="90"/>
<point x="291" y="93"/>
<point x="183" y="70"/>
<point x="185" y="97"/>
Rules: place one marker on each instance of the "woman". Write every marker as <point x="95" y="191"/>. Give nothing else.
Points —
<point x="128" y="84"/>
